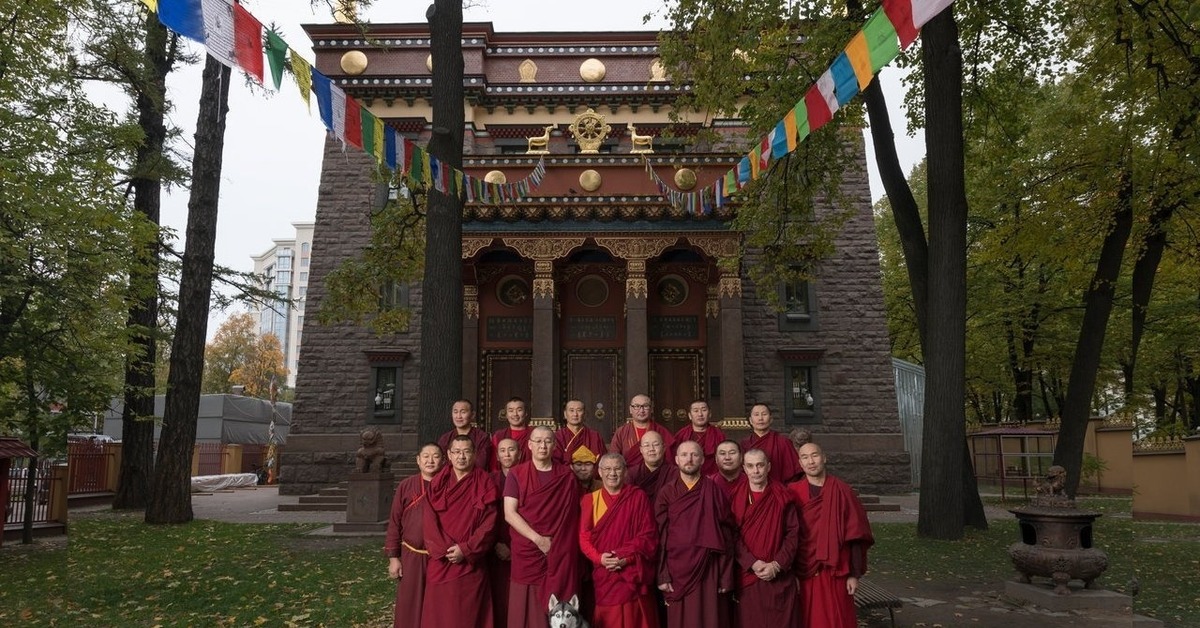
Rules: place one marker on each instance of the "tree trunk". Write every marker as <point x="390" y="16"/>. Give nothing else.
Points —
<point x="942" y="502"/>
<point x="171" y="498"/>
<point x="1098" y="303"/>
<point x="137" y="425"/>
<point x="441" y="287"/>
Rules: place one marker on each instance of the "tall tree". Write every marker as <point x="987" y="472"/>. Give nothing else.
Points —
<point x="441" y="288"/>
<point x="171" y="498"/>
<point x="232" y="347"/>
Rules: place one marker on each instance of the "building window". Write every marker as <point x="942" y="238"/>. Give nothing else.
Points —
<point x="303" y="262"/>
<point x="393" y="295"/>
<point x="799" y="310"/>
<point x="801" y="398"/>
<point x="304" y="247"/>
<point x="303" y="277"/>
<point x="387" y="392"/>
<point x="284" y="263"/>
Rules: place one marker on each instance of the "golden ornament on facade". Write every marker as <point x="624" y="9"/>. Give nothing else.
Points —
<point x="527" y="71"/>
<point x="495" y="176"/>
<point x="592" y="70"/>
<point x="639" y="144"/>
<point x="540" y="144"/>
<point x="685" y="178"/>
<point x="354" y="62"/>
<point x="658" y="73"/>
<point x="429" y="63"/>
<point x="589" y="130"/>
<point x="590" y="180"/>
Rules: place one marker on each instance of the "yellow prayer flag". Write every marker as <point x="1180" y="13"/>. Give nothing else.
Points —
<point x="860" y="60"/>
<point x="303" y="73"/>
<point x="380" y="144"/>
<point x="152" y="5"/>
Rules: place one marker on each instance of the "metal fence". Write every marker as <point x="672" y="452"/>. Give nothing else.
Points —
<point x="18" y="479"/>
<point x="209" y="457"/>
<point x="910" y="399"/>
<point x="88" y="463"/>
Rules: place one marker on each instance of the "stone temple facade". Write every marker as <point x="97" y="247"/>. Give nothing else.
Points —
<point x="594" y="287"/>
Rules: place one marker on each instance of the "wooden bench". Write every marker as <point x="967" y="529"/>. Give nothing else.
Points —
<point x="870" y="596"/>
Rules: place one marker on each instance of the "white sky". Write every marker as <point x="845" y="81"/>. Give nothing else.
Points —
<point x="273" y="146"/>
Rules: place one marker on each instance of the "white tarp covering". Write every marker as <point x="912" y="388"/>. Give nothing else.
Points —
<point x="210" y="483"/>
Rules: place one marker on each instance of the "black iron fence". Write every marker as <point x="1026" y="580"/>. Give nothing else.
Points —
<point x="44" y="486"/>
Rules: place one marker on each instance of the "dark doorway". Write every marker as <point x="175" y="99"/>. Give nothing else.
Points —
<point x="591" y="377"/>
<point x="675" y="382"/>
<point x="506" y="374"/>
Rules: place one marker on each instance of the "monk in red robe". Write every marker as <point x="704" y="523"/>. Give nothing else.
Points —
<point x="462" y="415"/>
<point x="785" y="465"/>
<point x="701" y="431"/>
<point x="729" y="467"/>
<point x="769" y="533"/>
<point x="575" y="435"/>
<point x="833" y="546"/>
<point x="617" y="534"/>
<point x="695" y="566"/>
<point x="460" y="527"/>
<point x="517" y="415"/>
<point x="654" y="469"/>
<point x="500" y="561"/>
<point x="405" y="541"/>
<point x="541" y="499"/>
<point x="627" y="439"/>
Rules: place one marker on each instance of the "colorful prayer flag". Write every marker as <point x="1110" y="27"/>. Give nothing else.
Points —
<point x="352" y="125"/>
<point x="779" y="141"/>
<point x="389" y="148"/>
<point x="817" y="108"/>
<point x="322" y="89"/>
<point x="304" y="79"/>
<point x="218" y="31"/>
<point x="377" y="134"/>
<point x="845" y="81"/>
<point x="882" y="43"/>
<point x="899" y="13"/>
<point x="248" y="42"/>
<point x="185" y="17"/>
<point x="276" y="55"/>
<point x="925" y="10"/>
<point x="801" y="111"/>
<point x="338" y="111"/>
<point x="860" y="59"/>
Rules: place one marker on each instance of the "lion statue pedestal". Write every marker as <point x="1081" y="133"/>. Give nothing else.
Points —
<point x="369" y="494"/>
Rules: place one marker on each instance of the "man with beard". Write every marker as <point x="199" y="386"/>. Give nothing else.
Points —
<point x="699" y="430"/>
<point x="627" y="439"/>
<point x="462" y="415"/>
<point x="541" y="500"/>
<point x="500" y="560"/>
<point x="517" y="415"/>
<point x="575" y="436"/>
<point x="695" y="567"/>
<point x="833" y="545"/>
<point x="769" y="532"/>
<point x="617" y="534"/>
<point x="405" y="541"/>
<point x="654" y="470"/>
<point x="729" y="467"/>
<point x="785" y="465"/>
<point x="460" y="528"/>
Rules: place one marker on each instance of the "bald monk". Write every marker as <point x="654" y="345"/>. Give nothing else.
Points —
<point x="575" y="436"/>
<point x="701" y="431"/>
<point x="541" y="504"/>
<point x="768" y="535"/>
<point x="405" y="542"/>
<point x="517" y="415"/>
<point x="654" y="470"/>
<point x="460" y="529"/>
<point x="785" y="465"/>
<point x="695" y="566"/>
<point x="729" y="467"/>
<point x="627" y="439"/>
<point x="462" y="415"/>
<point x="500" y="561"/>
<point x="618" y="536"/>
<point x="833" y="546"/>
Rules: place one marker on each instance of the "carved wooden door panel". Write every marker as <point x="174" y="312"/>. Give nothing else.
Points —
<point x="591" y="377"/>
<point x="674" y="385"/>
<point x="506" y="374"/>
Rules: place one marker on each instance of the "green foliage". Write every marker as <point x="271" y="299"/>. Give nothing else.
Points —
<point x="363" y="288"/>
<point x="239" y="356"/>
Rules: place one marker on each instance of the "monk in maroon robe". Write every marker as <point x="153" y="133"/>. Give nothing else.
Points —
<point x="517" y="415"/>
<point x="462" y="415"/>
<point x="654" y="470"/>
<point x="541" y="499"/>
<point x="833" y="546"/>
<point x="729" y="472"/>
<point x="575" y="435"/>
<point x="405" y="541"/>
<point x="627" y="439"/>
<point x="617" y="534"/>
<point x="769" y="533"/>
<point x="785" y="465"/>
<point x="460" y="528"/>
<point x="695" y="566"/>
<point x="699" y="430"/>
<point x="500" y="561"/>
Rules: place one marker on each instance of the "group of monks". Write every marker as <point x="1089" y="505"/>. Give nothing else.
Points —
<point x="652" y="529"/>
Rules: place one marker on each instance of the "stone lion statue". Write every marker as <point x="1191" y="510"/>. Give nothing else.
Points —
<point x="371" y="456"/>
<point x="1053" y="489"/>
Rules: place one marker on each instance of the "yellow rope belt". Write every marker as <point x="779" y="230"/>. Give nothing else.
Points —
<point x="413" y="549"/>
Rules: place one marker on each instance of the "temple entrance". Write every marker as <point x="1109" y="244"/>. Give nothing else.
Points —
<point x="593" y="377"/>
<point x="506" y="374"/>
<point x="675" y="382"/>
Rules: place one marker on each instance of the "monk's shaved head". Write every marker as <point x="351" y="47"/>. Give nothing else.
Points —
<point x="690" y="444"/>
<point x="545" y="431"/>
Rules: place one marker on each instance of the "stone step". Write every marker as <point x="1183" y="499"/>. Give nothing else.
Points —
<point x="868" y="499"/>
<point x="313" y="507"/>
<point x="323" y="499"/>
<point x="881" y="507"/>
<point x="337" y="491"/>
<point x="379" y="527"/>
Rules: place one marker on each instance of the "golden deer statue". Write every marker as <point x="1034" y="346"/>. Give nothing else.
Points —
<point x="540" y="145"/>
<point x="640" y="144"/>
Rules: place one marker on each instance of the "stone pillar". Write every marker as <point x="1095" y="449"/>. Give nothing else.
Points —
<point x="369" y="496"/>
<point x="637" y="361"/>
<point x="733" y="383"/>
<point x="541" y="406"/>
<point x="470" y="346"/>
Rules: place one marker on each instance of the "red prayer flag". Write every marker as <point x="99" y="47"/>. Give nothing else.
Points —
<point x="353" y="122"/>
<point x="248" y="41"/>
<point x="818" y="109"/>
<point x="900" y="12"/>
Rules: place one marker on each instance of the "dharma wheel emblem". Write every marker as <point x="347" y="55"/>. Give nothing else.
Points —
<point x="589" y="131"/>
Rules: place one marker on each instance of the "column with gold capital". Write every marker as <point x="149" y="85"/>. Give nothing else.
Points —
<point x="637" y="359"/>
<point x="733" y="379"/>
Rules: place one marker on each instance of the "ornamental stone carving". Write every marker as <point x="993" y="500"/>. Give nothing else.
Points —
<point x="544" y="248"/>
<point x="528" y="71"/>
<point x="472" y="246"/>
<point x="471" y="302"/>
<point x="636" y="288"/>
<point x="730" y="286"/>
<point x="722" y="246"/>
<point x="712" y="305"/>
<point x="637" y="248"/>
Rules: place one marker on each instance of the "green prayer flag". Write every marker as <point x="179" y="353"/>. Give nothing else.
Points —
<point x="366" y="124"/>
<point x="418" y="160"/>
<point x="276" y="52"/>
<point x="801" y="110"/>
<point x="883" y="43"/>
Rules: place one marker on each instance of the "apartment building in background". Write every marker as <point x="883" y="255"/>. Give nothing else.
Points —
<point x="283" y="270"/>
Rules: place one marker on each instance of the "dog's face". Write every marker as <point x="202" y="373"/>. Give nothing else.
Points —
<point x="565" y="614"/>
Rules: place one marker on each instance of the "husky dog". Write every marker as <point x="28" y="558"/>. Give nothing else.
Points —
<point x="565" y="614"/>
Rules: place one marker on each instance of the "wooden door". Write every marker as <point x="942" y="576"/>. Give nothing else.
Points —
<point x="674" y="385"/>
<point x="506" y="374"/>
<point x="591" y="377"/>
